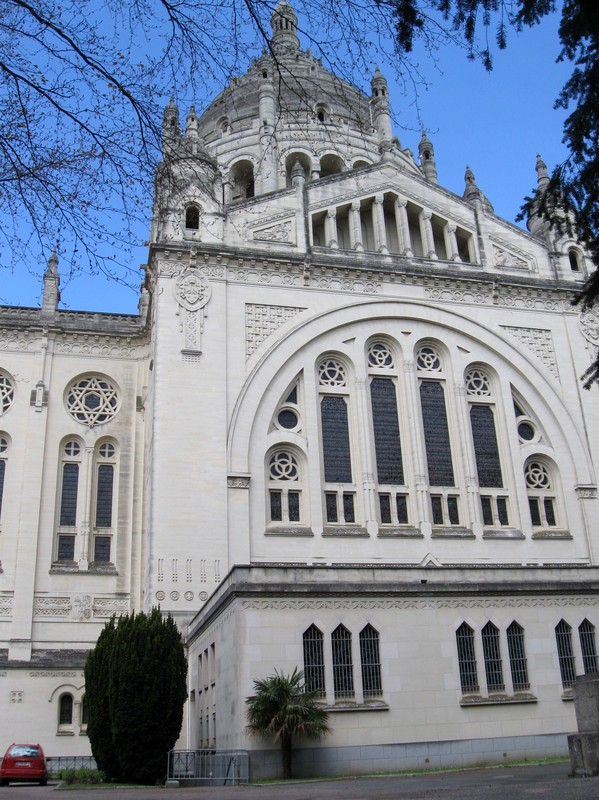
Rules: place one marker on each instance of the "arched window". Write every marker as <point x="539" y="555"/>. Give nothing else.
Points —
<point x="105" y="462"/>
<point x="192" y="218"/>
<point x="565" y="653"/>
<point x="294" y="158"/>
<point x="314" y="660"/>
<point x="371" y="662"/>
<point x="3" y="459"/>
<point x="542" y="499"/>
<point x="68" y="502"/>
<point x="517" y="656"/>
<point x="586" y="631"/>
<point x="343" y="670"/>
<point x="330" y="164"/>
<point x="336" y="449"/>
<point x="574" y="259"/>
<point x="242" y="179"/>
<point x="65" y="710"/>
<point x="285" y="495"/>
<point x="467" y="659"/>
<point x="437" y="443"/>
<point x="479" y="390"/>
<point x="492" y="658"/>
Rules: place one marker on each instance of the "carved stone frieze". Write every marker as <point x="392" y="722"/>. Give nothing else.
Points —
<point x="17" y="341"/>
<point x="262" y="320"/>
<point x="275" y="233"/>
<point x="505" y="259"/>
<point x="52" y="673"/>
<point x="589" y="325"/>
<point x="415" y="603"/>
<point x="52" y="607"/>
<point x="107" y="606"/>
<point x="539" y="341"/>
<point x="238" y="482"/>
<point x="90" y="345"/>
<point x="478" y="295"/>
<point x="586" y="492"/>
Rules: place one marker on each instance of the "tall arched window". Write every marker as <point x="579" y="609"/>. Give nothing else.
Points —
<point x="517" y="656"/>
<point x="68" y="501"/>
<point x="467" y="658"/>
<point x="3" y="459"/>
<point x="192" y="218"/>
<point x="105" y="462"/>
<point x="371" y="662"/>
<point x="65" y="710"/>
<point x="586" y="631"/>
<point x="494" y="504"/>
<point x="492" y="658"/>
<point x="565" y="653"/>
<point x="437" y="442"/>
<point x="343" y="669"/>
<point x="314" y="660"/>
<point x="336" y="449"/>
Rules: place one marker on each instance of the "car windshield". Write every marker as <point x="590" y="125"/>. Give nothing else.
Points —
<point x="23" y="750"/>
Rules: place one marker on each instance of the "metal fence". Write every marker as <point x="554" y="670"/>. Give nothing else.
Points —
<point x="209" y="767"/>
<point x="58" y="763"/>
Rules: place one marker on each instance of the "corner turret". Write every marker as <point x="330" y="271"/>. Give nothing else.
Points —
<point x="427" y="159"/>
<point x="284" y="29"/>
<point x="51" y="294"/>
<point x="381" y="110"/>
<point x="171" y="129"/>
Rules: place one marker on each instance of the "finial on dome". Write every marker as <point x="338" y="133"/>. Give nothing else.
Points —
<point x="472" y="194"/>
<point x="284" y="28"/>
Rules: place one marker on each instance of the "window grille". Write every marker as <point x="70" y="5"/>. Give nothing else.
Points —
<point x="371" y="662"/>
<point x="517" y="655"/>
<point x="586" y="631"/>
<point x="343" y="675"/>
<point x="314" y="660"/>
<point x="492" y="657"/>
<point x="565" y="654"/>
<point x="467" y="659"/>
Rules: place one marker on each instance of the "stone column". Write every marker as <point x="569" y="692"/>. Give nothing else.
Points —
<point x="467" y="455"/>
<point x="368" y="483"/>
<point x="403" y="227"/>
<point x="451" y="243"/>
<point x="426" y="232"/>
<point x="330" y="228"/>
<point x="378" y="221"/>
<point x="355" y="227"/>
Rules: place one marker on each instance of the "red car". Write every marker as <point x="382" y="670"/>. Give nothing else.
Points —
<point x="24" y="762"/>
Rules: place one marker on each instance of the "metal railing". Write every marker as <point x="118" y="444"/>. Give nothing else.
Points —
<point x="209" y="767"/>
<point x="58" y="763"/>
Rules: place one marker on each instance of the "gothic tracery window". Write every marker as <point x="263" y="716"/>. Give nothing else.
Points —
<point x="92" y="400"/>
<point x="541" y="494"/>
<point x="7" y="392"/>
<point x="285" y="504"/>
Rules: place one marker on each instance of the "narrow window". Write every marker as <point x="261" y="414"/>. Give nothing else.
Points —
<point x="371" y="662"/>
<point x="541" y="495"/>
<point x="573" y="259"/>
<point x="335" y="439"/>
<point x="192" y="218"/>
<point x="284" y="493"/>
<point x="65" y="710"/>
<point x="586" y="632"/>
<point x="104" y="496"/>
<point x="83" y="712"/>
<point x="565" y="654"/>
<point x="466" y="659"/>
<point x="343" y="674"/>
<point x="517" y="655"/>
<point x="3" y="454"/>
<point x="68" y="500"/>
<point x="436" y="434"/>
<point x="314" y="660"/>
<point x="387" y="443"/>
<point x="486" y="451"/>
<point x="492" y="657"/>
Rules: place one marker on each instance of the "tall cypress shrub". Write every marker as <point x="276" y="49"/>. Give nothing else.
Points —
<point x="135" y="689"/>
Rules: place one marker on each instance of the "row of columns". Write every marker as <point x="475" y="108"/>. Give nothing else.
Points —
<point x="402" y="228"/>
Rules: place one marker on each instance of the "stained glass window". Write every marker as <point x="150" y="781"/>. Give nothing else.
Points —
<point x="486" y="451"/>
<point x="386" y="431"/>
<point x="436" y="434"/>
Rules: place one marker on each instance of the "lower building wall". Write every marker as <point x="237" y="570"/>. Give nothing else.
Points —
<point x="362" y="760"/>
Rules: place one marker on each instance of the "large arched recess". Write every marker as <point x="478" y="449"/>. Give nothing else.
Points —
<point x="277" y="361"/>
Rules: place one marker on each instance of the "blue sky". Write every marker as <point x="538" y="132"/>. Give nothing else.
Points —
<point x="495" y="122"/>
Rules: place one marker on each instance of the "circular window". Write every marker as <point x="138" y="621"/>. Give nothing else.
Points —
<point x="537" y="476"/>
<point x="3" y="444"/>
<point x="526" y="431"/>
<point x="379" y="355"/>
<point x="331" y="373"/>
<point x="92" y="400"/>
<point x="287" y="418"/>
<point x="283" y="467"/>
<point x="428" y="359"/>
<point x="106" y="450"/>
<point x="477" y="383"/>
<point x="72" y="449"/>
<point x="7" y="393"/>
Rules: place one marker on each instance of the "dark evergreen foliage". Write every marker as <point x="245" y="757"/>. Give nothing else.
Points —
<point x="135" y="689"/>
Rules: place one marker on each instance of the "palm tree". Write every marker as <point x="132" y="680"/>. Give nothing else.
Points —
<point x="282" y="708"/>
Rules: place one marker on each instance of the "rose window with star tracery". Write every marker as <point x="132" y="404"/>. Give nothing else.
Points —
<point x="92" y="400"/>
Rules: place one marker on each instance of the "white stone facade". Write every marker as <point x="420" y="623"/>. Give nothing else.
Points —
<point x="346" y="433"/>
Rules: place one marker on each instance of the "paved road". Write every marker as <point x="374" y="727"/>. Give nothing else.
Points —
<point x="543" y="782"/>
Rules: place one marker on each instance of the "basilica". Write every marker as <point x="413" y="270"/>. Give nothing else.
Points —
<point x="345" y="433"/>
